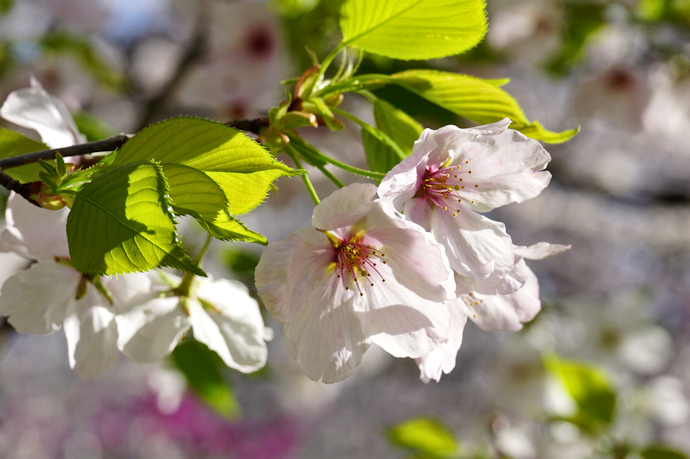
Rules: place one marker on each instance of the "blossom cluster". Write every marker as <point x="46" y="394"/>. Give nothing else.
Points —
<point x="143" y="315"/>
<point x="405" y="271"/>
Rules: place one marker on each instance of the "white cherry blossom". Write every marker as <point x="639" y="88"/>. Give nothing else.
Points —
<point x="362" y="275"/>
<point x="220" y="313"/>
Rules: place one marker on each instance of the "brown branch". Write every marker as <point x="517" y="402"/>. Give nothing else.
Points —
<point x="25" y="190"/>
<point x="108" y="144"/>
<point x="254" y="126"/>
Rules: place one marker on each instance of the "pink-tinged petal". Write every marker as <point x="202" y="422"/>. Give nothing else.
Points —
<point x="442" y="358"/>
<point x="344" y="207"/>
<point x="327" y="343"/>
<point x="475" y="246"/>
<point x="91" y="337"/>
<point x="420" y="211"/>
<point x="399" y="321"/>
<point x="235" y="330"/>
<point x="540" y="250"/>
<point x="501" y="169"/>
<point x="507" y="312"/>
<point x="403" y="181"/>
<point x="37" y="299"/>
<point x="151" y="331"/>
<point x="297" y="271"/>
<point x="415" y="260"/>
<point x="34" y="108"/>
<point x="34" y="232"/>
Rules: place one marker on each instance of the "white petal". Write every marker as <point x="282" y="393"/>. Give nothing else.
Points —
<point x="34" y="232"/>
<point x="295" y="272"/>
<point x="401" y="322"/>
<point x="507" y="312"/>
<point x="151" y="331"/>
<point x="419" y="211"/>
<point x="37" y="299"/>
<point x="540" y="250"/>
<point x="475" y="245"/>
<point x="91" y="337"/>
<point x="344" y="207"/>
<point x="34" y="108"/>
<point x="442" y="358"/>
<point x="403" y="181"/>
<point x="235" y="331"/>
<point x="327" y="343"/>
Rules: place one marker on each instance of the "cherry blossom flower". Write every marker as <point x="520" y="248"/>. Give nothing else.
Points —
<point x="362" y="275"/>
<point x="51" y="293"/>
<point x="221" y="314"/>
<point x="490" y="305"/>
<point x="454" y="173"/>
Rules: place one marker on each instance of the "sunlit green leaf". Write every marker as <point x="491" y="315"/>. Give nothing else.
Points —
<point x="413" y="29"/>
<point x="14" y="144"/>
<point x="662" y="452"/>
<point x="194" y="193"/>
<point x="481" y="101"/>
<point x="424" y="435"/>
<point x="203" y="370"/>
<point x="121" y="222"/>
<point x="588" y="386"/>
<point x="239" y="166"/>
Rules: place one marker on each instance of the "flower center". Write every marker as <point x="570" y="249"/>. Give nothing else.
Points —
<point x="356" y="260"/>
<point x="443" y="186"/>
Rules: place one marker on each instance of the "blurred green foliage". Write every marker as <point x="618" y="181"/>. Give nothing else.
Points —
<point x="204" y="372"/>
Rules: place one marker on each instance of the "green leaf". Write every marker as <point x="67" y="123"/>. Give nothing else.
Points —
<point x="662" y="452"/>
<point x="424" y="435"/>
<point x="481" y="101"/>
<point x="92" y="127"/>
<point x="588" y="386"/>
<point x="239" y="166"/>
<point x="120" y="223"/>
<point x="14" y="144"/>
<point x="203" y="370"/>
<point x="413" y="29"/>
<point x="194" y="193"/>
<point x="399" y="127"/>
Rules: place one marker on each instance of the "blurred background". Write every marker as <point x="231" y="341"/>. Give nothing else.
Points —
<point x="616" y="307"/>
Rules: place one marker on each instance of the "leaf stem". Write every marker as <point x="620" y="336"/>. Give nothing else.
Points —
<point x="305" y="178"/>
<point x="330" y="176"/>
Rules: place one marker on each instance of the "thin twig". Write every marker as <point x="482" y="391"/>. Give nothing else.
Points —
<point x="108" y="144"/>
<point x="195" y="50"/>
<point x="25" y="190"/>
<point x="254" y="125"/>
